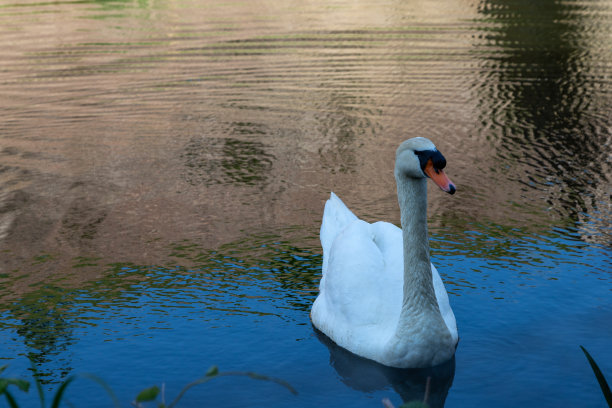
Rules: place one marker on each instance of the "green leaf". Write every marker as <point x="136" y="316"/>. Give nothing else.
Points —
<point x="3" y="368"/>
<point x="23" y="385"/>
<point x="60" y="392"/>
<point x="603" y="384"/>
<point x="212" y="371"/>
<point x="148" y="394"/>
<point x="262" y="377"/>
<point x="11" y="401"/>
<point x="41" y="394"/>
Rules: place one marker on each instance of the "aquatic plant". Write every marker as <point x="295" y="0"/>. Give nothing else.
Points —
<point x="24" y="386"/>
<point x="4" y="384"/>
<point x="151" y="394"/>
<point x="603" y="384"/>
<point x="148" y="395"/>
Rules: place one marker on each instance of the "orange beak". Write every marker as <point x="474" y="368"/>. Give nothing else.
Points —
<point x="439" y="178"/>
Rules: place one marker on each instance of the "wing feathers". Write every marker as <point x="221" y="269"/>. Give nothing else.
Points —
<point x="336" y="217"/>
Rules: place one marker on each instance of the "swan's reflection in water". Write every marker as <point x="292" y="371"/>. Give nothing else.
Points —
<point x="366" y="375"/>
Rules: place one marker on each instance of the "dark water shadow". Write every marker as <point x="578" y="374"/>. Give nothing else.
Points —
<point x="411" y="384"/>
<point x="542" y="101"/>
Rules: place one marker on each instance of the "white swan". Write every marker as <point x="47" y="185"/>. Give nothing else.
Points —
<point x="378" y="298"/>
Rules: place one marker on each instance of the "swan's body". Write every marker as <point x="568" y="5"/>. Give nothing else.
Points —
<point x="380" y="297"/>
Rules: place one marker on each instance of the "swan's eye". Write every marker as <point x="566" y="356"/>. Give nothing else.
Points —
<point x="438" y="161"/>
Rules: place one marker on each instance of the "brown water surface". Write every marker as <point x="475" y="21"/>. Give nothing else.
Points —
<point x="127" y="126"/>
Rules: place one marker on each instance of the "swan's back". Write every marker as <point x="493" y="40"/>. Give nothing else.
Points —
<point x="362" y="265"/>
<point x="360" y="294"/>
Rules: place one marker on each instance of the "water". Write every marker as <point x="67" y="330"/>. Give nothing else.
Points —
<point x="164" y="165"/>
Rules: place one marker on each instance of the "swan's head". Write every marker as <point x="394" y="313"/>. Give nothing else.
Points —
<point x="419" y="158"/>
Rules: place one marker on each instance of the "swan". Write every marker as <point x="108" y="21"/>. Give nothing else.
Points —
<point x="379" y="296"/>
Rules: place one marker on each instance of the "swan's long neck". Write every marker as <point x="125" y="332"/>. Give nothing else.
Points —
<point x="418" y="284"/>
<point x="421" y="329"/>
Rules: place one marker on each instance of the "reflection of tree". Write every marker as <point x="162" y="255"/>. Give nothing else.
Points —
<point x="542" y="99"/>
<point x="298" y="272"/>
<point x="45" y="331"/>
<point x="341" y="121"/>
<point x="226" y="161"/>
<point x="114" y="5"/>
<point x="258" y="275"/>
<point x="289" y="275"/>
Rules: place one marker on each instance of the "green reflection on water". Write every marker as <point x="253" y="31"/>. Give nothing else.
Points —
<point x="226" y="161"/>
<point x="454" y="234"/>
<point x="258" y="275"/>
<point x="243" y="277"/>
<point x="42" y="324"/>
<point x="540" y="95"/>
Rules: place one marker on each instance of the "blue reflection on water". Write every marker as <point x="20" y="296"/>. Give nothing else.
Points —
<point x="523" y="304"/>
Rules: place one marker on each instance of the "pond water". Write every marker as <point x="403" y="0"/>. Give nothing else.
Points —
<point x="164" y="166"/>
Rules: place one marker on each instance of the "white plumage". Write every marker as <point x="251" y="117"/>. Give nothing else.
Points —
<point x="367" y="302"/>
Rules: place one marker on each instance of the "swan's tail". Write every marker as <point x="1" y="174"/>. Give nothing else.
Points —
<point x="336" y="217"/>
